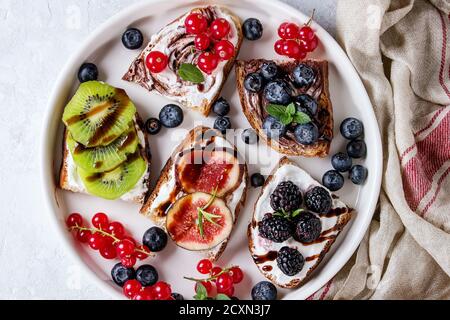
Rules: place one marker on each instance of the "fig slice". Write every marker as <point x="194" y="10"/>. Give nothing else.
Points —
<point x="183" y="227"/>
<point x="209" y="171"/>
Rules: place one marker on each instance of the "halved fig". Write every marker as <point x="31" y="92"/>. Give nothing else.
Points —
<point x="209" y="171"/>
<point x="183" y="222"/>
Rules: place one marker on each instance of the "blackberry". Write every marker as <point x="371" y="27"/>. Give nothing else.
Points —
<point x="287" y="197"/>
<point x="318" y="200"/>
<point x="276" y="229"/>
<point x="308" y="228"/>
<point x="290" y="261"/>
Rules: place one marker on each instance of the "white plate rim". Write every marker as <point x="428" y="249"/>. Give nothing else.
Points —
<point x="47" y="155"/>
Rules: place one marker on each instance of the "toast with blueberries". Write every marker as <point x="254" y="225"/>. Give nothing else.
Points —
<point x="200" y="193"/>
<point x="189" y="60"/>
<point x="295" y="222"/>
<point x="288" y="103"/>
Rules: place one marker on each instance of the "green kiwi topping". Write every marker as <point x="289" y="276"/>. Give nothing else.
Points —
<point x="98" y="114"/>
<point x="104" y="158"/>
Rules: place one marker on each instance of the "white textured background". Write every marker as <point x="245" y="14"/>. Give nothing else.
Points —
<point x="36" y="39"/>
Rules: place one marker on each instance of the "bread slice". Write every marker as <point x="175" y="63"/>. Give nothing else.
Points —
<point x="168" y="189"/>
<point x="254" y="107"/>
<point x="179" y="47"/>
<point x="70" y="181"/>
<point x="264" y="252"/>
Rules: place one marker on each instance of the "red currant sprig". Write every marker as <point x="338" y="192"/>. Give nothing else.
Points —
<point x="108" y="238"/>
<point x="296" y="42"/>
<point x="134" y="290"/>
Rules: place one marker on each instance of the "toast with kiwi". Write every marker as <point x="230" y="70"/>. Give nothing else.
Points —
<point x="295" y="219"/>
<point x="179" y="46"/>
<point x="288" y="103"/>
<point x="105" y="147"/>
<point x="204" y="180"/>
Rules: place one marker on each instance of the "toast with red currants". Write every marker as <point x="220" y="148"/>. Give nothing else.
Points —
<point x="288" y="103"/>
<point x="189" y="60"/>
<point x="200" y="193"/>
<point x="295" y="222"/>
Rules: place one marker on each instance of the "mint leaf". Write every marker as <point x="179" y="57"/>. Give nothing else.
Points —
<point x="296" y="213"/>
<point x="291" y="109"/>
<point x="276" y="110"/>
<point x="286" y="119"/>
<point x="302" y="118"/>
<point x="223" y="297"/>
<point x="202" y="293"/>
<point x="190" y="72"/>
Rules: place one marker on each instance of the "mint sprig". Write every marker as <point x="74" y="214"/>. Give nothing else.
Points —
<point x="190" y="72"/>
<point x="288" y="215"/>
<point x="288" y="115"/>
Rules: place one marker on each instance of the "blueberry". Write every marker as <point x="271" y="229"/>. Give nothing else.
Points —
<point x="357" y="149"/>
<point x="308" y="228"/>
<point x="153" y="126"/>
<point x="121" y="274"/>
<point x="155" y="239"/>
<point x="307" y="134"/>
<point x="273" y="128"/>
<point x="269" y="71"/>
<point x="341" y="162"/>
<point x="253" y="29"/>
<point x="254" y="82"/>
<point x="352" y="128"/>
<point x="257" y="180"/>
<point x="171" y="116"/>
<point x="358" y="175"/>
<point x="264" y="291"/>
<point x="177" y="296"/>
<point x="221" y="107"/>
<point x="250" y="136"/>
<point x="132" y="39"/>
<point x="147" y="275"/>
<point x="278" y="92"/>
<point x="333" y="180"/>
<point x="88" y="72"/>
<point x="306" y="102"/>
<point x="222" y="124"/>
<point x="304" y="76"/>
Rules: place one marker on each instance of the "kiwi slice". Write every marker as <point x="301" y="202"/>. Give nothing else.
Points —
<point x="113" y="184"/>
<point x="98" y="114"/>
<point x="104" y="158"/>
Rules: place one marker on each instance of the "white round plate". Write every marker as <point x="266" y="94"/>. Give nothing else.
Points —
<point x="104" y="48"/>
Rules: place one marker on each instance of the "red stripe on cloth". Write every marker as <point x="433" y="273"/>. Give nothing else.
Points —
<point x="311" y="297"/>
<point x="326" y="290"/>
<point x="443" y="54"/>
<point x="438" y="189"/>
<point x="407" y="151"/>
<point x="436" y="115"/>
<point x="432" y="153"/>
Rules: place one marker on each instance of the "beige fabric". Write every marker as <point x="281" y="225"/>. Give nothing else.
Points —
<point x="401" y="50"/>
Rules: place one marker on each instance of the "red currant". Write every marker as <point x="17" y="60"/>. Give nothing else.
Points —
<point x="208" y="286"/>
<point x="108" y="252"/>
<point x="204" y="266"/>
<point x="229" y="292"/>
<point x="279" y="46"/>
<point x="83" y="236"/>
<point x="208" y="62"/>
<point x="291" y="49"/>
<point x="224" y="282"/>
<point x="128" y="262"/>
<point x="288" y="30"/>
<point x="312" y="45"/>
<point x="202" y="41"/>
<point x="74" y="220"/>
<point x="215" y="271"/>
<point x="237" y="275"/>
<point x="132" y="288"/>
<point x="196" y="23"/>
<point x="157" y="61"/>
<point x="145" y="295"/>
<point x="129" y="239"/>
<point x="220" y="28"/>
<point x="306" y="33"/>
<point x="100" y="221"/>
<point x="96" y="241"/>
<point x="116" y="229"/>
<point x="282" y="30"/>
<point x="162" y="291"/>
<point x="125" y="248"/>
<point x="141" y="255"/>
<point x="224" y="49"/>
